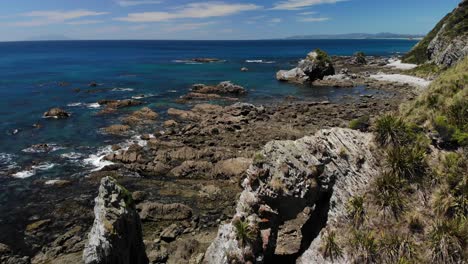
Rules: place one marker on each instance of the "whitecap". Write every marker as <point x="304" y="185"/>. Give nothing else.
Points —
<point x="74" y="104"/>
<point x="6" y="161"/>
<point x="260" y="61"/>
<point x="141" y="96"/>
<point x="93" y="105"/>
<point x="29" y="173"/>
<point x="24" y="174"/>
<point x="97" y="160"/>
<point x="50" y="148"/>
<point x="122" y="89"/>
<point x="172" y="91"/>
<point x="71" y="155"/>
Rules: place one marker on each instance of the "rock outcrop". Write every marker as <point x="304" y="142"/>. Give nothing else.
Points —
<point x="293" y="190"/>
<point x="447" y="43"/>
<point x="116" y="235"/>
<point x="56" y="113"/>
<point x="316" y="66"/>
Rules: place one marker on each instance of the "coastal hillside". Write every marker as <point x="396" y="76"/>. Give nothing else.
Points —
<point x="447" y="43"/>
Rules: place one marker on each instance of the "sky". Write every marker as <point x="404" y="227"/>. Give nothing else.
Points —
<point x="213" y="19"/>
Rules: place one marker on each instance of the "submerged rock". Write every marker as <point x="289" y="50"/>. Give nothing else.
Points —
<point x="116" y="235"/>
<point x="293" y="189"/>
<point x="56" y="113"/>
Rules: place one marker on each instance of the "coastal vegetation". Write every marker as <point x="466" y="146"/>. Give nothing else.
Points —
<point x="418" y="205"/>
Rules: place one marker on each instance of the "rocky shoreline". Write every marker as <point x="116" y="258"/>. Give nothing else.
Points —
<point x="185" y="177"/>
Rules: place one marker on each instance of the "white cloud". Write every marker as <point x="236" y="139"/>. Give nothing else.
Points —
<point x="84" y="22"/>
<point x="193" y="10"/>
<point x="314" y="19"/>
<point x="276" y="20"/>
<point x="41" y="18"/>
<point x="307" y="13"/>
<point x="300" y="4"/>
<point x="187" y="26"/>
<point x="127" y="3"/>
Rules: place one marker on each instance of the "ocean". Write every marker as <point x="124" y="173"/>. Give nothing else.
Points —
<point x="31" y="73"/>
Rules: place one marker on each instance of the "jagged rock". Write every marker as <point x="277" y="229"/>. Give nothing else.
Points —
<point x="140" y="117"/>
<point x="294" y="75"/>
<point x="116" y="235"/>
<point x="222" y="88"/>
<point x="152" y="211"/>
<point x="116" y="129"/>
<point x="191" y="169"/>
<point x="170" y="123"/>
<point x="56" y="113"/>
<point x="171" y="232"/>
<point x="294" y="186"/>
<point x="447" y="43"/>
<point x="231" y="168"/>
<point x="316" y="66"/>
<point x="116" y="104"/>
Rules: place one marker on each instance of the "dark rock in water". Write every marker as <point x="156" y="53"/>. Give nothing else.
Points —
<point x="37" y="125"/>
<point x="63" y="84"/>
<point x="93" y="84"/>
<point x="316" y="66"/>
<point x="222" y="88"/>
<point x="205" y="60"/>
<point x="116" y="235"/>
<point x="41" y="148"/>
<point x="119" y="103"/>
<point x="116" y="129"/>
<point x="56" y="113"/>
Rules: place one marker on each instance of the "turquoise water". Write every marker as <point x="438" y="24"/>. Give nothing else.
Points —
<point x="30" y="73"/>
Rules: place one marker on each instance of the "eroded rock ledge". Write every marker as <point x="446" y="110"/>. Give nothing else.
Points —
<point x="291" y="192"/>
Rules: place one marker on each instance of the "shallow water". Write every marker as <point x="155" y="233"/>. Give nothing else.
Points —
<point x="30" y="73"/>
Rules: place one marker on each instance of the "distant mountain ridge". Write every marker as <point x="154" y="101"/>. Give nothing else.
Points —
<point x="383" y="35"/>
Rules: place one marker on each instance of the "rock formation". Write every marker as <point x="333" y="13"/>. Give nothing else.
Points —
<point x="316" y="66"/>
<point x="447" y="43"/>
<point x="292" y="191"/>
<point x="56" y="113"/>
<point x="116" y="235"/>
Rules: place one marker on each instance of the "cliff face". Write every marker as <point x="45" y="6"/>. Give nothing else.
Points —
<point x="447" y="43"/>
<point x="293" y="190"/>
<point x="116" y="235"/>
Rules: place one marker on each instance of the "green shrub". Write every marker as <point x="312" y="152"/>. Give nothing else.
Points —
<point x="394" y="248"/>
<point x="244" y="232"/>
<point x="360" y="57"/>
<point x="392" y="130"/>
<point x="331" y="249"/>
<point x="356" y="211"/>
<point x="447" y="241"/>
<point x="361" y="123"/>
<point x="389" y="194"/>
<point x="449" y="133"/>
<point x="364" y="247"/>
<point x="407" y="162"/>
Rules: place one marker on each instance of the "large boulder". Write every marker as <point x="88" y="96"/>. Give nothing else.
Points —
<point x="292" y="191"/>
<point x="315" y="66"/>
<point x="56" y="113"/>
<point x="116" y="235"/>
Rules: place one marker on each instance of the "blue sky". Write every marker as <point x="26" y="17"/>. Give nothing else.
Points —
<point x="206" y="19"/>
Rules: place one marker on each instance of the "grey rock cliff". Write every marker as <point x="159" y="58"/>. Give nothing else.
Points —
<point x="116" y="236"/>
<point x="293" y="190"/>
<point x="315" y="66"/>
